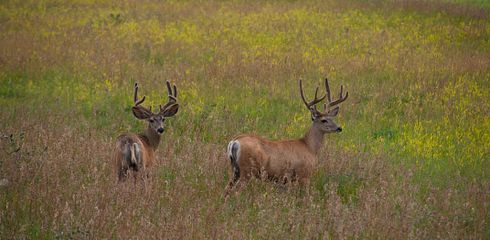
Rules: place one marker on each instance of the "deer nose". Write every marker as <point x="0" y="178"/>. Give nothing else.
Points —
<point x="160" y="130"/>
<point x="339" y="129"/>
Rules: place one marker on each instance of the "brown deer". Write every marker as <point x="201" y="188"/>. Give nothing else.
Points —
<point x="136" y="152"/>
<point x="288" y="160"/>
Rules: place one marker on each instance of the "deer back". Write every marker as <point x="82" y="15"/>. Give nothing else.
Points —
<point x="127" y="154"/>
<point x="276" y="159"/>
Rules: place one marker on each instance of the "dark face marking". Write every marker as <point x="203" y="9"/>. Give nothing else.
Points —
<point x="327" y="125"/>
<point x="156" y="123"/>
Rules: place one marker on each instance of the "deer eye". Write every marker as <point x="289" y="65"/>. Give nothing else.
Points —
<point x="151" y="120"/>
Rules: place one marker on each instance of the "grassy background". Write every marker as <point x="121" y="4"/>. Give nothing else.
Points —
<point x="413" y="160"/>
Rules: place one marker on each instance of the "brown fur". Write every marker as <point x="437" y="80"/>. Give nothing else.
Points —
<point x="280" y="161"/>
<point x="284" y="161"/>
<point x="136" y="153"/>
<point x="147" y="147"/>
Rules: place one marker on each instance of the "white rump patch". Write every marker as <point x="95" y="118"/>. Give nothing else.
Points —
<point x="135" y="154"/>
<point x="234" y="150"/>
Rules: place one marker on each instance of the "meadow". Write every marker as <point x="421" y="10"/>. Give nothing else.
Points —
<point x="412" y="161"/>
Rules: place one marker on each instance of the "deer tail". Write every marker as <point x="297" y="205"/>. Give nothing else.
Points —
<point x="234" y="155"/>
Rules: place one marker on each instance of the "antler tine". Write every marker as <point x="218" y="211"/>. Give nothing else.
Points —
<point x="136" y="101"/>
<point x="172" y="96"/>
<point x="327" y="88"/>
<point x="309" y="105"/>
<point x="169" y="88"/>
<point x="317" y="100"/>
<point x="301" y="92"/>
<point x="341" y="97"/>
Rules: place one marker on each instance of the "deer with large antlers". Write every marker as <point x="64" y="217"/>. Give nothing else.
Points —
<point x="136" y="152"/>
<point x="284" y="161"/>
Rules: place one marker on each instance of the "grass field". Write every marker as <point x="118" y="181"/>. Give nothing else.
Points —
<point x="412" y="162"/>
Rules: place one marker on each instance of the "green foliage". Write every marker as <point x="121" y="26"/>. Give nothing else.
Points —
<point x="418" y="82"/>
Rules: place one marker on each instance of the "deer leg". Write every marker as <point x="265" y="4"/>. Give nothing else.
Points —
<point x="242" y="182"/>
<point x="145" y="177"/>
<point x="135" y="177"/>
<point x="232" y="184"/>
<point x="122" y="174"/>
<point x="237" y="184"/>
<point x="282" y="183"/>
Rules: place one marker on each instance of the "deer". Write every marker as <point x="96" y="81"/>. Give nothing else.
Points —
<point x="284" y="161"/>
<point x="135" y="153"/>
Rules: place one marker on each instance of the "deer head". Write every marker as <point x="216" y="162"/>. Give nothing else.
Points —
<point x="324" y="119"/>
<point x="156" y="120"/>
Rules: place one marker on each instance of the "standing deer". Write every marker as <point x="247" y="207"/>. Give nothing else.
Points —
<point x="287" y="160"/>
<point x="136" y="152"/>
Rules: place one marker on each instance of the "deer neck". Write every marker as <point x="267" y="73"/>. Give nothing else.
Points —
<point x="152" y="138"/>
<point x="314" y="138"/>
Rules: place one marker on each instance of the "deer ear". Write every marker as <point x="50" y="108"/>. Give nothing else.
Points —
<point x="333" y="112"/>
<point x="171" y="110"/>
<point x="141" y="113"/>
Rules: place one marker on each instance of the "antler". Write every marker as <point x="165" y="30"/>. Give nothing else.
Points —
<point x="341" y="97"/>
<point x="138" y="102"/>
<point x="172" y="97"/>
<point x="139" y="111"/>
<point x="310" y="105"/>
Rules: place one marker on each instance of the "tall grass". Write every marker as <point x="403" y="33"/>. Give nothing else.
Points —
<point x="412" y="162"/>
